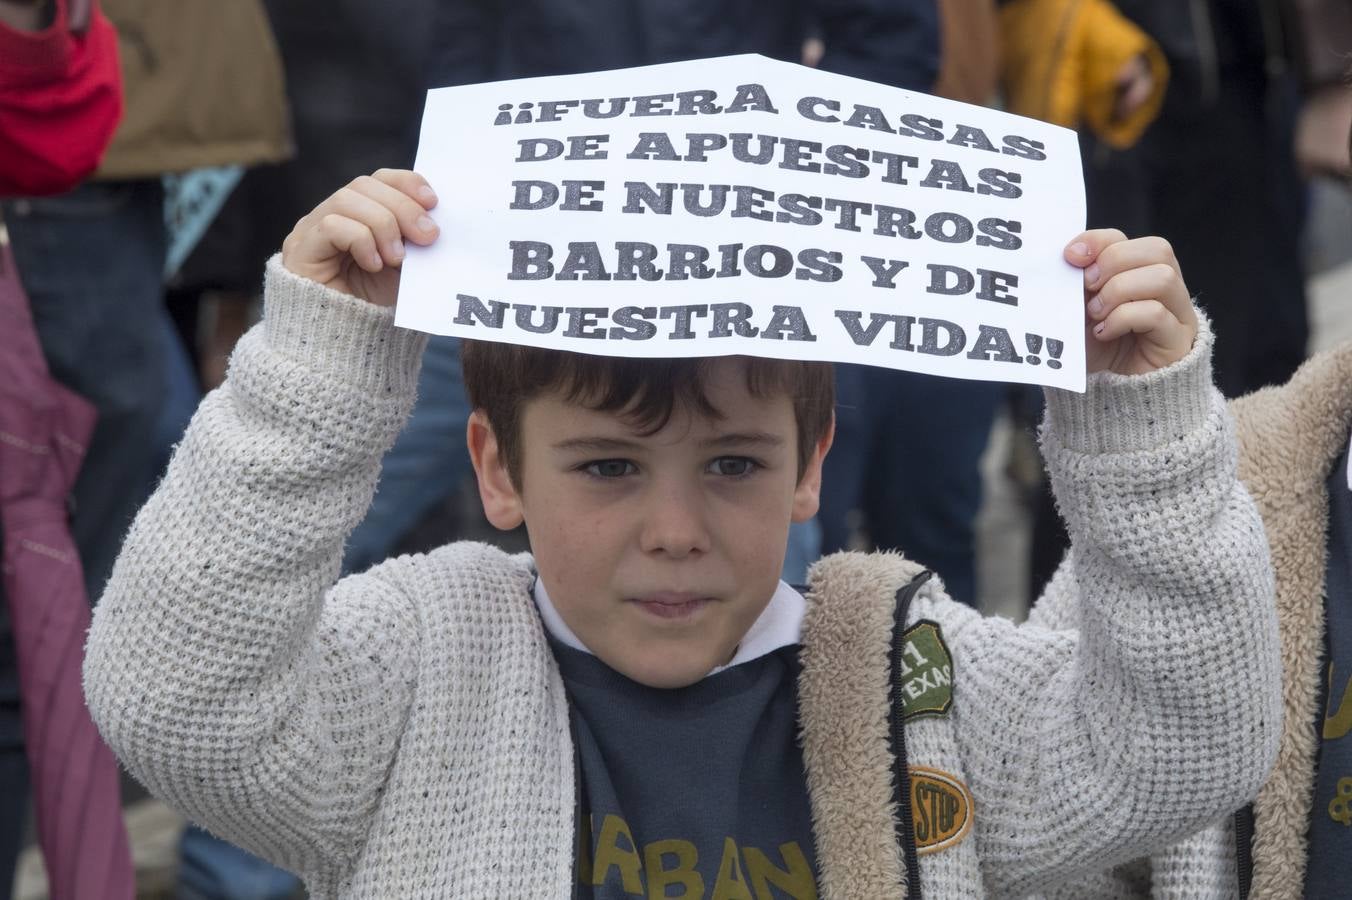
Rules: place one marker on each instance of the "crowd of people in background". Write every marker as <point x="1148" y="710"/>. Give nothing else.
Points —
<point x="142" y="260"/>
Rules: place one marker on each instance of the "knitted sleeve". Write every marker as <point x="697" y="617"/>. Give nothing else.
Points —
<point x="1088" y="746"/>
<point x="223" y="667"/>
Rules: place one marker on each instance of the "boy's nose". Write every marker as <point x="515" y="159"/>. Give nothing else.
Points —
<point x="676" y="523"/>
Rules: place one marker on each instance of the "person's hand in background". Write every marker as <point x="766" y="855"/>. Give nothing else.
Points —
<point x="1135" y="84"/>
<point x="1324" y="133"/>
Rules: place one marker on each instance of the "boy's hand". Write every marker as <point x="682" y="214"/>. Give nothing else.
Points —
<point x="1138" y="312"/>
<point x="354" y="241"/>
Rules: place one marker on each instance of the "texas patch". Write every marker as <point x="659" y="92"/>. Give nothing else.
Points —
<point x="926" y="673"/>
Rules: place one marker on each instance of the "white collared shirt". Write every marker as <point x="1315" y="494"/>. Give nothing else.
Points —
<point x="779" y="625"/>
<point x="1349" y="463"/>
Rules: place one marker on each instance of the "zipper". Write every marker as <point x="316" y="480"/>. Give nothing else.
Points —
<point x="901" y="784"/>
<point x="581" y="810"/>
<point x="1207" y="59"/>
<point x="1244" y="850"/>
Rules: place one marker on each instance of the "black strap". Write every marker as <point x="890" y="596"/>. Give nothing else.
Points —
<point x="581" y="806"/>
<point x="901" y="784"/>
<point x="1244" y="850"/>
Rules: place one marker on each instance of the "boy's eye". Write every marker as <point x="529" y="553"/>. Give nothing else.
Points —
<point x="732" y="466"/>
<point x="610" y="468"/>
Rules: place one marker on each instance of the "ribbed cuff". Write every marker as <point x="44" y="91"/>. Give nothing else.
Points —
<point x="1125" y="413"/>
<point x="337" y="335"/>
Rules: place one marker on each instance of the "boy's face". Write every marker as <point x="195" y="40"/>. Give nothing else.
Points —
<point x="659" y="551"/>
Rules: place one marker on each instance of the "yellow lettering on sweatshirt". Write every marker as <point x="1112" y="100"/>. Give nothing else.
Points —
<point x="795" y="879"/>
<point x="683" y="873"/>
<point x="609" y="854"/>
<point x="731" y="884"/>
<point x="1338" y="724"/>
<point x="654" y="869"/>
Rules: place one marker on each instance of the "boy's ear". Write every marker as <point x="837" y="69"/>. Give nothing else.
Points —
<point x="807" y="496"/>
<point x="502" y="502"/>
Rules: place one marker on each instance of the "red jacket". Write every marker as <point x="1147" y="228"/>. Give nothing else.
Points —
<point x="60" y="100"/>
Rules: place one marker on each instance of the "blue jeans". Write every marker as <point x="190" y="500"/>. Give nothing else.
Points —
<point x="907" y="455"/>
<point x="211" y="869"/>
<point x="92" y="263"/>
<point x="182" y="394"/>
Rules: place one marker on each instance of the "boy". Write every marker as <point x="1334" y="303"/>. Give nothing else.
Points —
<point x="640" y="708"/>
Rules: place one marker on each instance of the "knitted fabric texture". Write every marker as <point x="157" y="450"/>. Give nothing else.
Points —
<point x="404" y="733"/>
<point x="1289" y="437"/>
<point x="306" y="721"/>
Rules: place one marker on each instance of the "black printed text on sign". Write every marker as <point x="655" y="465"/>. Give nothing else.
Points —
<point x="744" y="205"/>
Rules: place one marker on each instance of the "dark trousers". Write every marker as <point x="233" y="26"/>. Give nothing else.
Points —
<point x="1219" y="182"/>
<point x="906" y="456"/>
<point x="13" y="763"/>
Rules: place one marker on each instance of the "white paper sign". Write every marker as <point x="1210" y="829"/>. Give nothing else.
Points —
<point x="746" y="205"/>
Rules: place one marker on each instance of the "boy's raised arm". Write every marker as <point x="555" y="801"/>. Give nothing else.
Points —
<point x="1151" y="706"/>
<point x="224" y="667"/>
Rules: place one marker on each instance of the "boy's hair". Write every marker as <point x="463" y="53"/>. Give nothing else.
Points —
<point x="501" y="378"/>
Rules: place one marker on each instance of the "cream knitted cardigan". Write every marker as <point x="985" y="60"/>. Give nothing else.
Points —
<point x="404" y="733"/>
<point x="1289" y="438"/>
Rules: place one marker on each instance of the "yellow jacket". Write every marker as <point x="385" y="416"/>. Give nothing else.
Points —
<point x="1060" y="60"/>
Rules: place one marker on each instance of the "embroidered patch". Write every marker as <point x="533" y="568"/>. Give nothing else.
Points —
<point x="1340" y="807"/>
<point x="926" y="673"/>
<point x="941" y="809"/>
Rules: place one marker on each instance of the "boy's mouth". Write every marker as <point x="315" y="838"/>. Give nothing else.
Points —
<point x="671" y="604"/>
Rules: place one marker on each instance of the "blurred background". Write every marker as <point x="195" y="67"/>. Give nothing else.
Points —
<point x="154" y="153"/>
